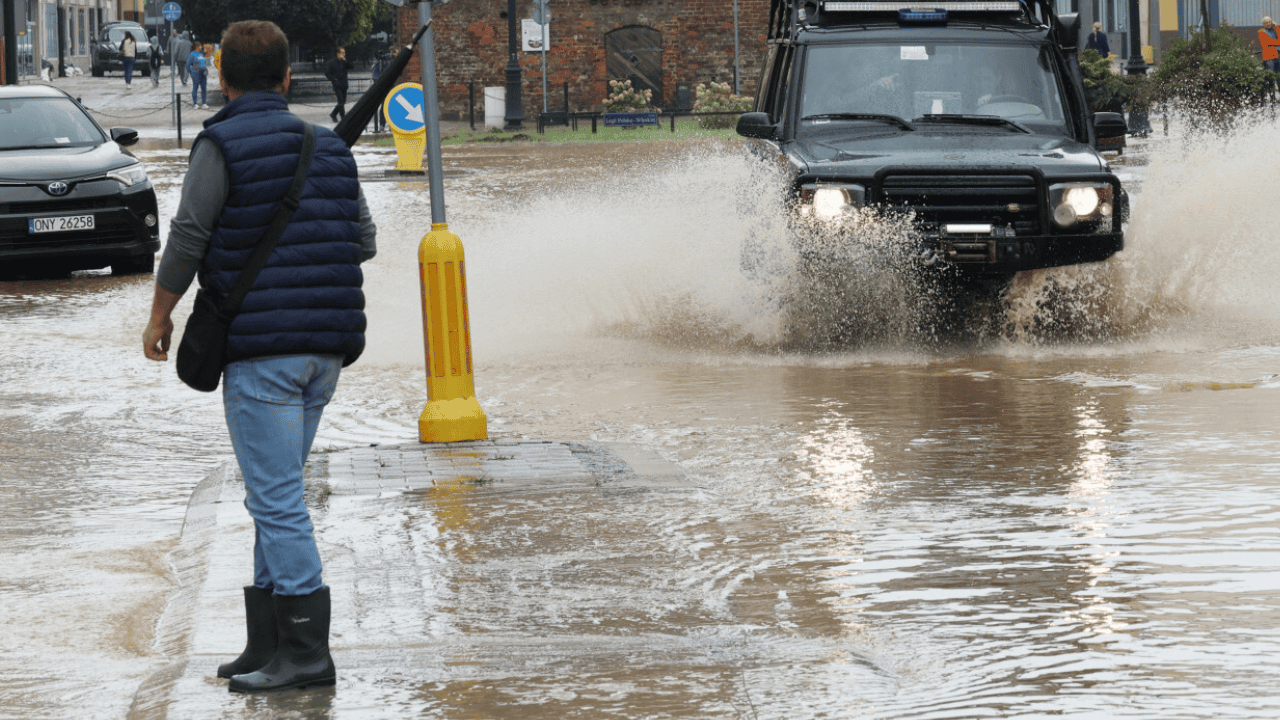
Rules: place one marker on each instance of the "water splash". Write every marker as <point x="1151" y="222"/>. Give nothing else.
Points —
<point x="1199" y="251"/>
<point x="691" y="248"/>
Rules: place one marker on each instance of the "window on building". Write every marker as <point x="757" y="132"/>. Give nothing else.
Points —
<point x="51" y="32"/>
<point x="83" y="50"/>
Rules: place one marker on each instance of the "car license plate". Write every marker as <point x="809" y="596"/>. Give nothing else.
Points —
<point x="65" y="223"/>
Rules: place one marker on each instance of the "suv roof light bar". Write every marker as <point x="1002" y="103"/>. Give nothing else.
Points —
<point x="788" y="17"/>
<point x="948" y="5"/>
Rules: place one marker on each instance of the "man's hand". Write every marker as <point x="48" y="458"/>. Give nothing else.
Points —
<point x="159" y="332"/>
<point x="156" y="338"/>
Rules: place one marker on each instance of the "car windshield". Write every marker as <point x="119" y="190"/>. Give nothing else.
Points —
<point x="938" y="82"/>
<point x="45" y="123"/>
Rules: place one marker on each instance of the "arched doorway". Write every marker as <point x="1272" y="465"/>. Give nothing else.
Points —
<point x="635" y="53"/>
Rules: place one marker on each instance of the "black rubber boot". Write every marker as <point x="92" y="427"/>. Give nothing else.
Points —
<point x="302" y="656"/>
<point x="260" y="620"/>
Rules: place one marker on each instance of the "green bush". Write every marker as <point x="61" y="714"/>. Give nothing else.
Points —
<point x="1212" y="77"/>
<point x="1105" y="90"/>
<point x="623" y="97"/>
<point x="719" y="97"/>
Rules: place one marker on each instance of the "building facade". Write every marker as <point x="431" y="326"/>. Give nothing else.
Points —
<point x="666" y="46"/>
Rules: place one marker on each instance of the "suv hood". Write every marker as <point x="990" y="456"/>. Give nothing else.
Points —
<point x="934" y="146"/>
<point x="71" y="163"/>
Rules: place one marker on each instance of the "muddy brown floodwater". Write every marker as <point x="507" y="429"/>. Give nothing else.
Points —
<point x="1071" y="513"/>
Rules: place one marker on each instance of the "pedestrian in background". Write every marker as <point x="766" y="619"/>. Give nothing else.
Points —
<point x="284" y="351"/>
<point x="379" y="120"/>
<point x="179" y="49"/>
<point x="1267" y="38"/>
<point x="128" y="55"/>
<point x="1098" y="41"/>
<point x="157" y="59"/>
<point x="199" y="77"/>
<point x="337" y="75"/>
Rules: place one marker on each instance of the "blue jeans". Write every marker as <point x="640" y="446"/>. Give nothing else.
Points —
<point x="273" y="407"/>
<point x="128" y="70"/>
<point x="198" y="82"/>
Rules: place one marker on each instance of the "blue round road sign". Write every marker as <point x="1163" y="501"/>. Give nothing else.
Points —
<point x="171" y="11"/>
<point x="405" y="109"/>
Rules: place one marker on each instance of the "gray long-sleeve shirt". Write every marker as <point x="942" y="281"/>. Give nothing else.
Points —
<point x="204" y="193"/>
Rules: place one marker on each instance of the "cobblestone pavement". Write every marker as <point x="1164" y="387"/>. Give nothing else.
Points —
<point x="373" y="510"/>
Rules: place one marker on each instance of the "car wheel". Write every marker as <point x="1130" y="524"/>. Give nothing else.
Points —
<point x="135" y="265"/>
<point x="97" y="71"/>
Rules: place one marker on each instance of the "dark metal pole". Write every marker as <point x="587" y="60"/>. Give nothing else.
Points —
<point x="1136" y="65"/>
<point x="515" y="107"/>
<point x="62" y="40"/>
<point x="1139" y="124"/>
<point x="10" y="44"/>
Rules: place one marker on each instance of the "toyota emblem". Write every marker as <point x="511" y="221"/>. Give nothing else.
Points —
<point x="57" y="188"/>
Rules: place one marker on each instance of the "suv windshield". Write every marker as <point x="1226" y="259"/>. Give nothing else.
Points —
<point x="113" y="36"/>
<point x="45" y="122"/>
<point x="1016" y="83"/>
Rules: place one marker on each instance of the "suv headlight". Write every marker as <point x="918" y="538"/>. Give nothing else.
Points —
<point x="1074" y="203"/>
<point x="829" y="200"/>
<point x="129" y="175"/>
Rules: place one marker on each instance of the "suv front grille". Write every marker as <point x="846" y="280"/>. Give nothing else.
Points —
<point x="1004" y="200"/>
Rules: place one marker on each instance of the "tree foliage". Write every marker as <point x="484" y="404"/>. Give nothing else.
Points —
<point x="318" y="24"/>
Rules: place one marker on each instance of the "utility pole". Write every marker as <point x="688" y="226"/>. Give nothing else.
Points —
<point x="515" y="107"/>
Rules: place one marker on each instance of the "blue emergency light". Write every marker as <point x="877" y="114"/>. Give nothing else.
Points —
<point x="917" y="16"/>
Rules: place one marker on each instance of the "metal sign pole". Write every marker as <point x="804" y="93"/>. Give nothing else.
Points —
<point x="431" y="109"/>
<point x="173" y="83"/>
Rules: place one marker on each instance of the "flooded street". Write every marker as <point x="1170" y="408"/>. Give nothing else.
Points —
<point x="1073" y="513"/>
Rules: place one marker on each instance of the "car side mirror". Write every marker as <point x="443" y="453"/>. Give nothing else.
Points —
<point x="1109" y="125"/>
<point x="756" y="125"/>
<point x="124" y="136"/>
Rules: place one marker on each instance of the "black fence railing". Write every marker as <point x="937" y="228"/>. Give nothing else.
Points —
<point x="571" y="120"/>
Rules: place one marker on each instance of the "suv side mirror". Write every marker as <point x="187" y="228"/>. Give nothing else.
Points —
<point x="1109" y="125"/>
<point x="124" y="136"/>
<point x="756" y="125"/>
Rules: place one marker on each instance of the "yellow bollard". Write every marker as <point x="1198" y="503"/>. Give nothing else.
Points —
<point x="452" y="412"/>
<point x="403" y="110"/>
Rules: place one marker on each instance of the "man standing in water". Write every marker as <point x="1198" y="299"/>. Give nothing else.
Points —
<point x="300" y="324"/>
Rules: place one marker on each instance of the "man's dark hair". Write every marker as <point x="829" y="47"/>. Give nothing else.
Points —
<point x="255" y="55"/>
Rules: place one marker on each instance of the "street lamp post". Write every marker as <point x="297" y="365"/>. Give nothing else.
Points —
<point x="1138" y="121"/>
<point x="515" y="107"/>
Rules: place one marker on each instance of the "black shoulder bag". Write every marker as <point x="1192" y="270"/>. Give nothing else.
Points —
<point x="202" y="352"/>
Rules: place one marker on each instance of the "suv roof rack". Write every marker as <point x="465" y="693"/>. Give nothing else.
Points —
<point x="787" y="17"/>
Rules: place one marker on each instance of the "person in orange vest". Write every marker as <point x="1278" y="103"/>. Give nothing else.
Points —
<point x="1269" y="39"/>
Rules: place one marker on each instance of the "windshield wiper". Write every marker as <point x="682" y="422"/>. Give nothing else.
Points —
<point x="974" y="120"/>
<point x="891" y="119"/>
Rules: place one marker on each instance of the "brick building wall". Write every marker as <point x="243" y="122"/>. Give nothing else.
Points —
<point x="697" y="46"/>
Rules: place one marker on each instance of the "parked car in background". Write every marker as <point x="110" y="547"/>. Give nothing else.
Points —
<point x="71" y="196"/>
<point x="105" y="54"/>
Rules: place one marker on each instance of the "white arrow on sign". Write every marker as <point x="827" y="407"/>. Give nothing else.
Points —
<point x="414" y="112"/>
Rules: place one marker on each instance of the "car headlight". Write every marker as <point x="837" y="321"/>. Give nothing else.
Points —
<point x="1073" y="203"/>
<point x="129" y="175"/>
<point x="829" y="200"/>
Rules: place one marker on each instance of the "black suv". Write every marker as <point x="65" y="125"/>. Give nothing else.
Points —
<point x="966" y="120"/>
<point x="105" y="53"/>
